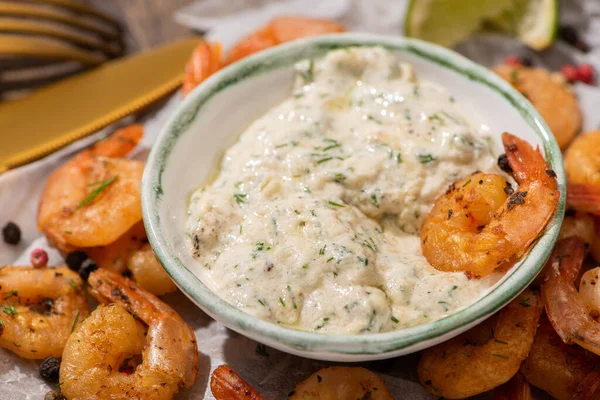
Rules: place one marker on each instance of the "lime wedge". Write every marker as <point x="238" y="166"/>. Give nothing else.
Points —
<point x="448" y="22"/>
<point x="534" y="22"/>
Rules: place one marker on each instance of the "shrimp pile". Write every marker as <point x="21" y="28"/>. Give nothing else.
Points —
<point x="481" y="223"/>
<point x="484" y="357"/>
<point x="206" y="58"/>
<point x="551" y="96"/>
<point x="96" y="350"/>
<point x="40" y="308"/>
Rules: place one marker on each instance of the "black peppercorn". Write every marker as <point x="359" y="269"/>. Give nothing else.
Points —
<point x="86" y="269"/>
<point x="49" y="369"/>
<point x="54" y="395"/>
<point x="75" y="260"/>
<point x="503" y="164"/>
<point x="11" y="233"/>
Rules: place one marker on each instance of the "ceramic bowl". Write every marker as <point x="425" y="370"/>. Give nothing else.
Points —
<point x="210" y="119"/>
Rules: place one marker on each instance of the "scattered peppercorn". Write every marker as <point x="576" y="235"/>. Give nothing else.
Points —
<point x="54" y="395"/>
<point x="503" y="164"/>
<point x="11" y="233"/>
<point x="49" y="369"/>
<point x="86" y="269"/>
<point x="38" y="258"/>
<point x="570" y="73"/>
<point x="569" y="34"/>
<point x="75" y="259"/>
<point x="586" y="73"/>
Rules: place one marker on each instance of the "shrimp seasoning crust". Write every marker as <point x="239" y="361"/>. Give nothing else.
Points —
<point x="93" y="361"/>
<point x="40" y="308"/>
<point x="328" y="195"/>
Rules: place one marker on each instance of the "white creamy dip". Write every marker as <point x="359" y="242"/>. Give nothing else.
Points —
<point x="313" y="220"/>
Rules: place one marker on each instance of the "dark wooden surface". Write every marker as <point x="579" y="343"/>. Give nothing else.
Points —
<point x="147" y="23"/>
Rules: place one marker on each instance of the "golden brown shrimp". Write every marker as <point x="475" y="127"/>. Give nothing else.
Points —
<point x="132" y="252"/>
<point x="555" y="367"/>
<point x="281" y="30"/>
<point x="95" y="351"/>
<point x="552" y="98"/>
<point x="226" y="384"/>
<point x="565" y="307"/>
<point x="476" y="226"/>
<point x="582" y="159"/>
<point x="484" y="357"/>
<point x="342" y="383"/>
<point x="589" y="291"/>
<point x="40" y="307"/>
<point x="93" y="198"/>
<point x="516" y="388"/>
<point x="205" y="61"/>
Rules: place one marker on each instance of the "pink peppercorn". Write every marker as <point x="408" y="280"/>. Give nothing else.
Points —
<point x="586" y="73"/>
<point x="570" y="72"/>
<point x="513" y="61"/>
<point x="39" y="258"/>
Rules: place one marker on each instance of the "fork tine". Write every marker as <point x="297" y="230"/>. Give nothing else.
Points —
<point x="46" y="48"/>
<point x="17" y="25"/>
<point x="82" y="8"/>
<point x="58" y="15"/>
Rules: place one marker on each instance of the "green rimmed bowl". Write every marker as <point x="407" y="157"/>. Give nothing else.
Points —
<point x="210" y="119"/>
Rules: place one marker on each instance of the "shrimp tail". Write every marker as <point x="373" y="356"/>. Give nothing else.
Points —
<point x="583" y="197"/>
<point x="120" y="143"/>
<point x="226" y="384"/>
<point x="527" y="163"/>
<point x="205" y="61"/>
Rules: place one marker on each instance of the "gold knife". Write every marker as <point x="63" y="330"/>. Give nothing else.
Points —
<point x="61" y="113"/>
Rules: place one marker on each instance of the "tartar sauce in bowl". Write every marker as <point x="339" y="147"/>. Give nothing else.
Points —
<point x="312" y="221"/>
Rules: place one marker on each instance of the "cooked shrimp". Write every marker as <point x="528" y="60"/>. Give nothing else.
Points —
<point x="579" y="224"/>
<point x="589" y="291"/>
<point x="95" y="351"/>
<point x="484" y="357"/>
<point x="516" y="388"/>
<point x="555" y="367"/>
<point x="131" y="252"/>
<point x="205" y="61"/>
<point x="584" y="197"/>
<point x="93" y="199"/>
<point x="40" y="308"/>
<point x="226" y="384"/>
<point x="480" y="224"/>
<point x="564" y="305"/>
<point x="206" y="57"/>
<point x="582" y="159"/>
<point x="552" y="98"/>
<point x="342" y="383"/>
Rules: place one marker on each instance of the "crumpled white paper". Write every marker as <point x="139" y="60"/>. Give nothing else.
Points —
<point x="275" y="373"/>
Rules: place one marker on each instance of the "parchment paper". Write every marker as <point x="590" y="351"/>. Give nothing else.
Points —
<point x="271" y="372"/>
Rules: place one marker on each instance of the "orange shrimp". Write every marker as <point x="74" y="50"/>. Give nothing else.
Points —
<point x="566" y="309"/>
<point x="476" y="227"/>
<point x="95" y="197"/>
<point x="206" y="58"/>
<point x="205" y="61"/>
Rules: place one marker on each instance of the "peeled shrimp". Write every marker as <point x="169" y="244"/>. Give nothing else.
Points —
<point x="206" y="57"/>
<point x="565" y="307"/>
<point x="98" y="347"/>
<point x="516" y="388"/>
<point x="555" y="367"/>
<point x="226" y="384"/>
<point x="40" y="308"/>
<point x="582" y="159"/>
<point x="205" y="61"/>
<point x="481" y="224"/>
<point x="131" y="252"/>
<point x="93" y="199"/>
<point x="280" y="30"/>
<point x="589" y="291"/>
<point x="342" y="383"/>
<point x="552" y="98"/>
<point x="484" y="357"/>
